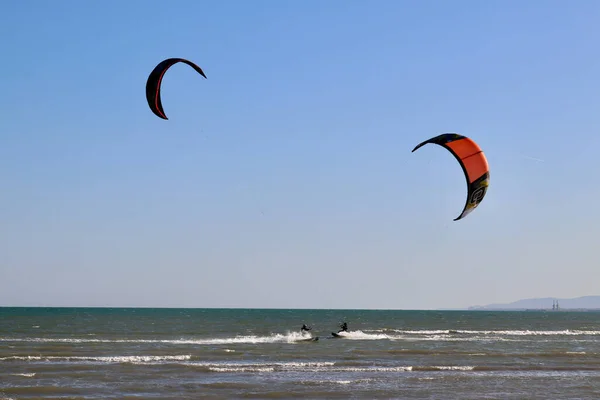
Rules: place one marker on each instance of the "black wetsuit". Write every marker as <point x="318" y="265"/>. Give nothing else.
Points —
<point x="305" y="328"/>
<point x="344" y="327"/>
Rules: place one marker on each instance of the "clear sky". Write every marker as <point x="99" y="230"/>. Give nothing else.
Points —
<point x="286" y="179"/>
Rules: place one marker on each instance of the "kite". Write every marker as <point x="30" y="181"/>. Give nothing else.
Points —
<point x="474" y="165"/>
<point x="155" y="80"/>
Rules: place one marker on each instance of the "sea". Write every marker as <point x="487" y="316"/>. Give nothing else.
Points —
<point x="154" y="353"/>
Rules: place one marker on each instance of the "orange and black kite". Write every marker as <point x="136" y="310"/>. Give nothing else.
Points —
<point x="474" y="165"/>
<point x="155" y="80"/>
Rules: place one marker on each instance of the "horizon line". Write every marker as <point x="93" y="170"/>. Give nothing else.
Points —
<point x="469" y="309"/>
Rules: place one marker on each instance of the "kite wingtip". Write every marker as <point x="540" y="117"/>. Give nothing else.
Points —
<point x="417" y="147"/>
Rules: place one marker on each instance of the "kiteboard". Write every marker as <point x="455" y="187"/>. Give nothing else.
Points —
<point x="335" y="335"/>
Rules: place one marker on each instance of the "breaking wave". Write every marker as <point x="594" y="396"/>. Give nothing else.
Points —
<point x="248" y="339"/>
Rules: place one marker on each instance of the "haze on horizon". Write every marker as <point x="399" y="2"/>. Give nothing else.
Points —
<point x="286" y="179"/>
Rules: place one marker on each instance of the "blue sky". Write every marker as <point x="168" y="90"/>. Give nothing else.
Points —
<point x="286" y="179"/>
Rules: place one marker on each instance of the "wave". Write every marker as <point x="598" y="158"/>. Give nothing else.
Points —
<point x="292" y="337"/>
<point x="101" y="359"/>
<point x="360" y="335"/>
<point x="187" y="361"/>
<point x="565" y="332"/>
<point x="428" y="335"/>
<point x="500" y="354"/>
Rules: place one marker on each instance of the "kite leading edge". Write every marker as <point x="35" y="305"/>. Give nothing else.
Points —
<point x="154" y="82"/>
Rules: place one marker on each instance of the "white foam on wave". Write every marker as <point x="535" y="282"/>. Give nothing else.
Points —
<point x="292" y="337"/>
<point x="295" y="336"/>
<point x="262" y="367"/>
<point x="566" y="332"/>
<point x="289" y="337"/>
<point x="360" y="335"/>
<point x="324" y="367"/>
<point x="293" y="366"/>
<point x="242" y="369"/>
<point x="422" y="332"/>
<point x="101" y="359"/>
<point x="406" y="368"/>
<point x="373" y="369"/>
<point x="236" y="367"/>
<point x="337" y="382"/>
<point x="453" y="368"/>
<point x="26" y="375"/>
<point x="449" y="338"/>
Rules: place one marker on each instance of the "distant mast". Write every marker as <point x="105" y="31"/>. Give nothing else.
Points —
<point x="555" y="306"/>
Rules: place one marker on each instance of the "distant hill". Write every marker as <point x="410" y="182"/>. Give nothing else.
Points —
<point x="585" y="302"/>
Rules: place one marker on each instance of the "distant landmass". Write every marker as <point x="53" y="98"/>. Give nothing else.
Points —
<point x="546" y="303"/>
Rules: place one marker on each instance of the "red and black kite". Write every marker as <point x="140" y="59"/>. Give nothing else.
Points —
<point x="474" y="165"/>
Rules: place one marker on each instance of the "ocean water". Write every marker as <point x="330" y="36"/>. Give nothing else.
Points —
<point x="112" y="353"/>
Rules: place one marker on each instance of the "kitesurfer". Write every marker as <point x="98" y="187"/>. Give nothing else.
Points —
<point x="343" y="327"/>
<point x="305" y="328"/>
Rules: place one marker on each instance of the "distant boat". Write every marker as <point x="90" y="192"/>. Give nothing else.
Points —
<point x="555" y="306"/>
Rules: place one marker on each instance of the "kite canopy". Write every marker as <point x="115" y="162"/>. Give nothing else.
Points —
<point x="155" y="80"/>
<point x="474" y="165"/>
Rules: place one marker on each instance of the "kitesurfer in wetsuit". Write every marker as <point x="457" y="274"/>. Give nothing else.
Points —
<point x="305" y="328"/>
<point x="343" y="327"/>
